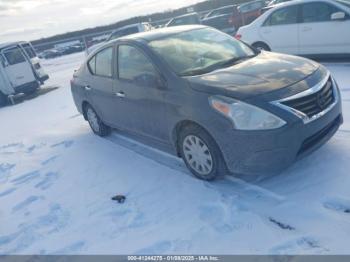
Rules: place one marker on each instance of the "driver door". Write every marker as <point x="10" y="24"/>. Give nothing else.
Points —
<point x="138" y="94"/>
<point x="319" y="34"/>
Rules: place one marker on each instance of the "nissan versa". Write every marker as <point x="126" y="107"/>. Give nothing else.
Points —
<point x="223" y="106"/>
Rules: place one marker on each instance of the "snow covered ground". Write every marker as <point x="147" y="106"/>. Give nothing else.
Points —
<point x="57" y="180"/>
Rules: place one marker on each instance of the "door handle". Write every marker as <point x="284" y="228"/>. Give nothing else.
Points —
<point x="87" y="88"/>
<point x="120" y="94"/>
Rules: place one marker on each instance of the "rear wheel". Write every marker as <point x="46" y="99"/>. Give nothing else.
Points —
<point x="261" y="46"/>
<point x="32" y="90"/>
<point x="3" y="99"/>
<point x="201" y="154"/>
<point x="95" y="122"/>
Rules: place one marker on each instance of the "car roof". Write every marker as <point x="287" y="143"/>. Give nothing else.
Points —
<point x="223" y="7"/>
<point x="160" y="33"/>
<point x="5" y="45"/>
<point x="185" y="15"/>
<point x="128" y="26"/>
<point x="295" y="2"/>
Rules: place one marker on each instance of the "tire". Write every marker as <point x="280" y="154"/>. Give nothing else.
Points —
<point x="31" y="91"/>
<point x="261" y="46"/>
<point x="211" y="164"/>
<point x="95" y="122"/>
<point x="3" y="99"/>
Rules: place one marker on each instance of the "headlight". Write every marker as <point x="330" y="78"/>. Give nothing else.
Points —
<point x="245" y="116"/>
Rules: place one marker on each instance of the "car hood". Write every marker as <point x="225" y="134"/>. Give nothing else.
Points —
<point x="264" y="73"/>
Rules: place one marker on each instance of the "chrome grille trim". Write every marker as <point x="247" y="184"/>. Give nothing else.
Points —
<point x="306" y="119"/>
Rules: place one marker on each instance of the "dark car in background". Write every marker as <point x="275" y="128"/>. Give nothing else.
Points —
<point x="47" y="54"/>
<point x="123" y="31"/>
<point x="249" y="12"/>
<point x="230" y="18"/>
<point x="72" y="49"/>
<point x="221" y="105"/>
<point x="275" y="2"/>
<point x="221" y="19"/>
<point x="188" y="19"/>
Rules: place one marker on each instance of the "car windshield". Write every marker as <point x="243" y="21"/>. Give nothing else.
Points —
<point x="200" y="51"/>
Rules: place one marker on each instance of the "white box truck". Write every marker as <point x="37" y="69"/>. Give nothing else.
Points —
<point x="20" y="70"/>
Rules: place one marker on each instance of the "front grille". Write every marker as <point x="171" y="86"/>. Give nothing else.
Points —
<point x="314" y="103"/>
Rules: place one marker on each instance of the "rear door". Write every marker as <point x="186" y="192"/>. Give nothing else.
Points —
<point x="28" y="49"/>
<point x="321" y="35"/>
<point x="281" y="30"/>
<point x="99" y="87"/>
<point x="18" y="69"/>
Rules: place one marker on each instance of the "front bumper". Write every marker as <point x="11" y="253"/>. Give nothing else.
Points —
<point x="271" y="151"/>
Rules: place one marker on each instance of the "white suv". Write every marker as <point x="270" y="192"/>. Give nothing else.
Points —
<point x="303" y="27"/>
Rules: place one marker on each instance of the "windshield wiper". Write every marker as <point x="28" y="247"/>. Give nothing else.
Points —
<point x="221" y="64"/>
<point x="232" y="61"/>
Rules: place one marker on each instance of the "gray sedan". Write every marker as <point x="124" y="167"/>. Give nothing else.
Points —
<point x="218" y="103"/>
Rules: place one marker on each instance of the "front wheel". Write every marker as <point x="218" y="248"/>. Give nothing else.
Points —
<point x="201" y="154"/>
<point x="95" y="122"/>
<point x="261" y="46"/>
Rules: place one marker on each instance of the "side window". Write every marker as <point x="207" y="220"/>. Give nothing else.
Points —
<point x="133" y="65"/>
<point x="317" y="12"/>
<point x="14" y="56"/>
<point x="103" y="62"/>
<point x="92" y="65"/>
<point x="284" y="16"/>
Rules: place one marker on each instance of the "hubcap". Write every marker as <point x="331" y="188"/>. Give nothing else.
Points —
<point x="260" y="48"/>
<point x="93" y="120"/>
<point x="197" y="155"/>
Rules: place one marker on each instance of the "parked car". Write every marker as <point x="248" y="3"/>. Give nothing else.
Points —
<point x="20" y="70"/>
<point x="249" y="12"/>
<point x="71" y="49"/>
<point x="188" y="19"/>
<point x="123" y="31"/>
<point x="130" y="29"/>
<point x="308" y="27"/>
<point x="48" y="54"/>
<point x="221" y="19"/>
<point x="219" y="104"/>
<point x="239" y="15"/>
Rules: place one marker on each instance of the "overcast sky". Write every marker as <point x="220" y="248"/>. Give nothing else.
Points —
<point x="33" y="19"/>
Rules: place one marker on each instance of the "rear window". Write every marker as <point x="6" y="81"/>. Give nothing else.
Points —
<point x="283" y="16"/>
<point x="245" y="8"/>
<point x="14" y="56"/>
<point x="187" y="20"/>
<point x="221" y="11"/>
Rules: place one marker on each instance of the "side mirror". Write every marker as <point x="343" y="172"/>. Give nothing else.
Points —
<point x="338" y="16"/>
